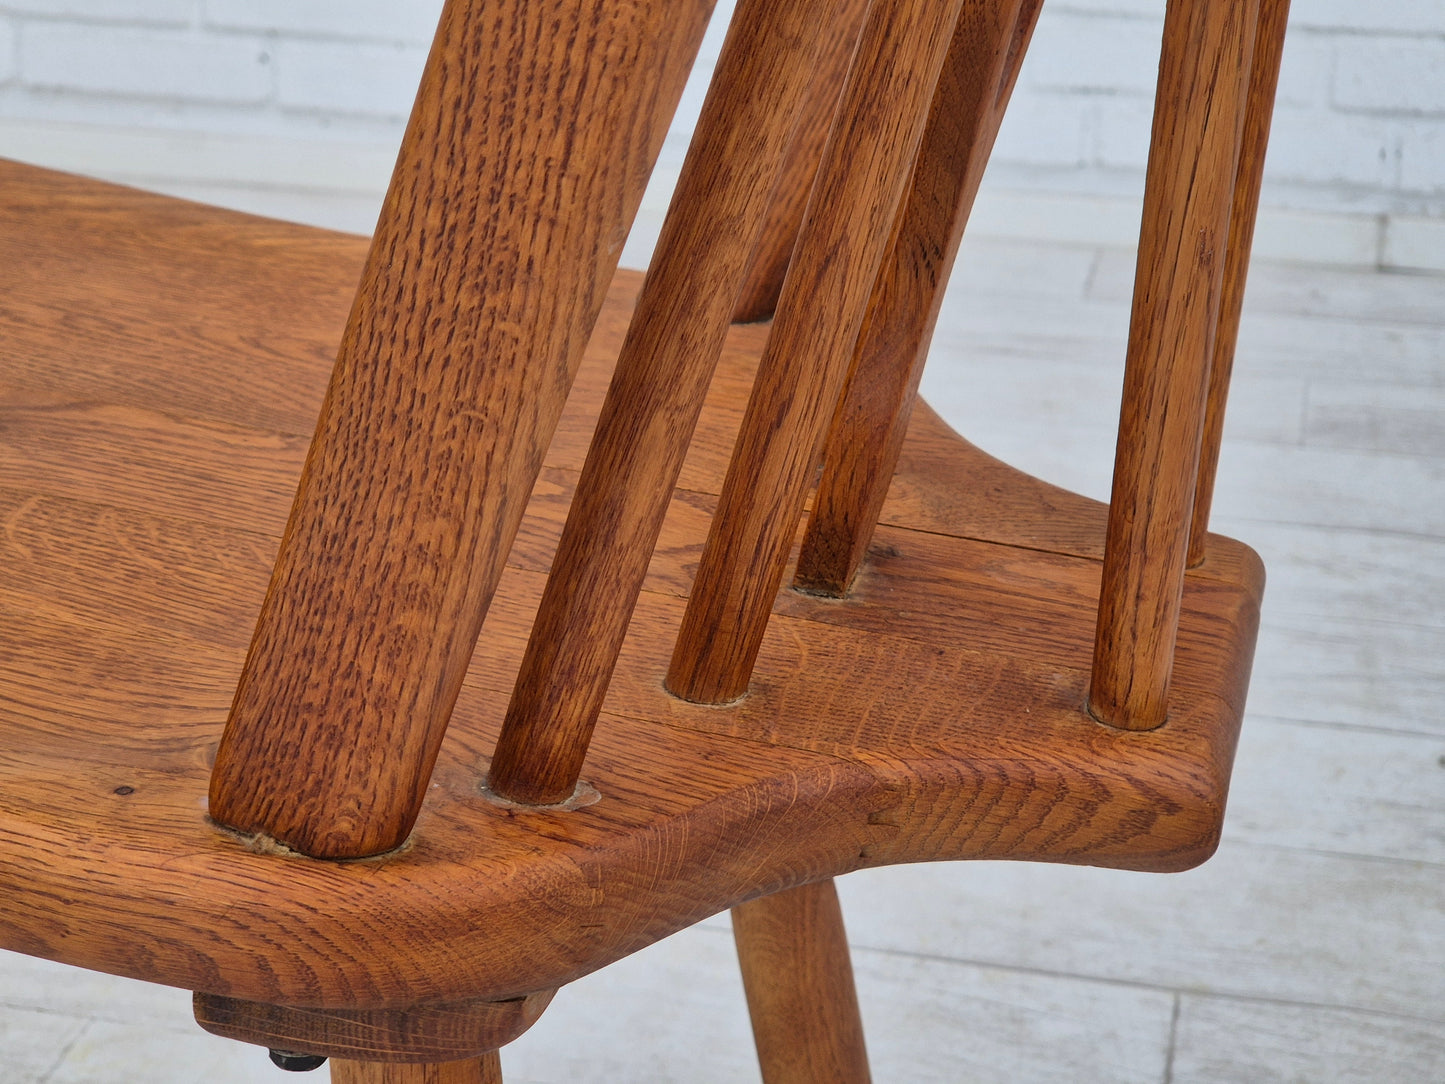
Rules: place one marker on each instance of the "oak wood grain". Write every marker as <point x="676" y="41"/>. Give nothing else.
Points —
<point x="521" y="168"/>
<point x="486" y="1069"/>
<point x="447" y="1032"/>
<point x="1189" y="189"/>
<point x="768" y="264"/>
<point x="1258" y="112"/>
<point x="860" y="184"/>
<point x="793" y="951"/>
<point x="652" y="404"/>
<point x="866" y="434"/>
<point x="940" y="721"/>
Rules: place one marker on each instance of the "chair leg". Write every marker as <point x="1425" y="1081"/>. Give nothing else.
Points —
<point x="799" y="984"/>
<point x="486" y="1069"/>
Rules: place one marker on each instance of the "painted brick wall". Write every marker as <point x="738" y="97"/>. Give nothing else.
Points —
<point x="255" y="65"/>
<point x="1362" y="97"/>
<point x="1359" y="133"/>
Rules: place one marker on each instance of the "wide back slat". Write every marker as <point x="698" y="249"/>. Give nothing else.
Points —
<point x="1189" y="189"/>
<point x="861" y="182"/>
<point x="867" y="433"/>
<point x="522" y="166"/>
<point x="652" y="405"/>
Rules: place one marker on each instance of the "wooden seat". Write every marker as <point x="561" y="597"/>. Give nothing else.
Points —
<point x="372" y="877"/>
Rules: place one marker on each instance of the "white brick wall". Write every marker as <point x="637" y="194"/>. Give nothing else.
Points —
<point x="409" y="22"/>
<point x="160" y="12"/>
<point x="333" y="69"/>
<point x="150" y="62"/>
<point x="376" y="79"/>
<point x="7" y="52"/>
<point x="1359" y="136"/>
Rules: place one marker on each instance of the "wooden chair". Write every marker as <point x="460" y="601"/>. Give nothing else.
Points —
<point x="407" y="834"/>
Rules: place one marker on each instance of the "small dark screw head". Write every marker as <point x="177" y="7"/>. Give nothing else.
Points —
<point x="293" y="1062"/>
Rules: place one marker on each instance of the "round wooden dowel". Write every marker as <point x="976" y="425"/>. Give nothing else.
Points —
<point x="768" y="264"/>
<point x="652" y="404"/>
<point x="848" y="227"/>
<point x="523" y="163"/>
<point x="1259" y="109"/>
<point x="867" y="433"/>
<point x="1203" y="74"/>
<point x="798" y="978"/>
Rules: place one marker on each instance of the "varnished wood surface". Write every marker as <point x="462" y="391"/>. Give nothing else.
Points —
<point x="793" y="951"/>
<point x="1258" y="112"/>
<point x="521" y="168"/>
<point x="768" y="264"/>
<point x="451" y="1031"/>
<point x="866" y="435"/>
<point x="942" y="720"/>
<point x="486" y="1069"/>
<point x="1188" y="192"/>
<point x="861" y="182"/>
<point x="652" y="404"/>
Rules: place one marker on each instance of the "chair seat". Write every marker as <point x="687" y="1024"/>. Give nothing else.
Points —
<point x="145" y="479"/>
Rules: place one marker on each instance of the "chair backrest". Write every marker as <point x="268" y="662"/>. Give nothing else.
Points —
<point x="486" y="273"/>
<point x="534" y="131"/>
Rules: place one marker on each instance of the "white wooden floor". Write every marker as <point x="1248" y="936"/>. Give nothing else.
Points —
<point x="1312" y="948"/>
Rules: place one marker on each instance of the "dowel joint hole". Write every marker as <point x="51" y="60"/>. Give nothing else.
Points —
<point x="583" y="795"/>
<point x="264" y="844"/>
<point x="1088" y="708"/>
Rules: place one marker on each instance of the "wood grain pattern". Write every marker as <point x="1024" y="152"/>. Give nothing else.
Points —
<point x="793" y="951"/>
<point x="474" y="306"/>
<point x="768" y="264"/>
<point x="866" y="435"/>
<point x="652" y="404"/>
<point x="855" y="200"/>
<point x="939" y="722"/>
<point x="1189" y="188"/>
<point x="486" y="1069"/>
<point x="421" y="1033"/>
<point x="1258" y="112"/>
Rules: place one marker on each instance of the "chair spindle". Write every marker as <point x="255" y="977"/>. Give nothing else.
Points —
<point x="774" y="250"/>
<point x="1189" y="188"/>
<point x="1259" y="109"/>
<point x="845" y="234"/>
<point x="652" y="404"/>
<point x="497" y="240"/>
<point x="867" y="433"/>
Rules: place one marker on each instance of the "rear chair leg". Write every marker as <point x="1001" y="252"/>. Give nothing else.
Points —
<point x="485" y="1069"/>
<point x="799" y="984"/>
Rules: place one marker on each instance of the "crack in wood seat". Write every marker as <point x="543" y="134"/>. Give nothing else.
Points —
<point x="147" y="463"/>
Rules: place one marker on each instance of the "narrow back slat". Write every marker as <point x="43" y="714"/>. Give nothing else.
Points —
<point x="860" y="185"/>
<point x="522" y="166"/>
<point x="1259" y="109"/>
<point x="768" y="264"/>
<point x="1203" y="75"/>
<point x="657" y="391"/>
<point x="867" y="433"/>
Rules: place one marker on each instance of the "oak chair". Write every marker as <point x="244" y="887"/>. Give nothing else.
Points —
<point x="541" y="672"/>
